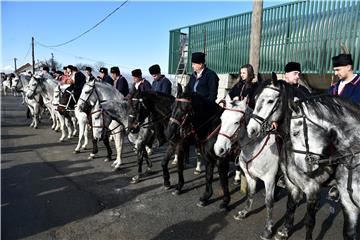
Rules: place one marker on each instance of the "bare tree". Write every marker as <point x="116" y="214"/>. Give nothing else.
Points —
<point x="98" y="65"/>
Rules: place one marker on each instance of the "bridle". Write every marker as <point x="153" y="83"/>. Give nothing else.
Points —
<point x="181" y="122"/>
<point x="234" y="137"/>
<point x="264" y="122"/>
<point x="72" y="97"/>
<point x="89" y="92"/>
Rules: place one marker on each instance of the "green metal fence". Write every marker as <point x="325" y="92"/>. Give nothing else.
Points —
<point x="309" y="32"/>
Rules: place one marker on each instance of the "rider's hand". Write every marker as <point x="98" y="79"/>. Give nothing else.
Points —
<point x="274" y="125"/>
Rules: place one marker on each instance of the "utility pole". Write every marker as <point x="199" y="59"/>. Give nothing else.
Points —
<point x="256" y="35"/>
<point x="33" y="54"/>
<point x="255" y="40"/>
<point x="52" y="60"/>
<point x="15" y="64"/>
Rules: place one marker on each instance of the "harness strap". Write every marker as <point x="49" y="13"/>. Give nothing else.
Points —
<point x="256" y="155"/>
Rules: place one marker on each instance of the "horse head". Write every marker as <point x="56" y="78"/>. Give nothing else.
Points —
<point x="232" y="121"/>
<point x="182" y="111"/>
<point x="138" y="112"/>
<point x="34" y="86"/>
<point x="268" y="107"/>
<point x="86" y="94"/>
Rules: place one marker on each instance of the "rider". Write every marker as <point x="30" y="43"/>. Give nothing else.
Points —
<point x="160" y="84"/>
<point x="88" y="73"/>
<point x="245" y="87"/>
<point x="292" y="77"/>
<point x="204" y="80"/>
<point x="103" y="73"/>
<point x="349" y="84"/>
<point x="347" y="87"/>
<point x="120" y="82"/>
<point x="78" y="81"/>
<point x="140" y="84"/>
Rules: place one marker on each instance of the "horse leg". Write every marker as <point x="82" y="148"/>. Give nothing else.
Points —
<point x="180" y="169"/>
<point x="118" y="138"/>
<point x="312" y="207"/>
<point x="140" y="159"/>
<point x="164" y="165"/>
<point x="350" y="210"/>
<point x="294" y="197"/>
<point x="269" y="203"/>
<point x="223" y="168"/>
<point x="68" y="126"/>
<point x="62" y="127"/>
<point x="108" y="147"/>
<point x="82" y="132"/>
<point x="95" y="148"/>
<point x="198" y="163"/>
<point x="209" y="166"/>
<point x="251" y="190"/>
<point x="74" y="123"/>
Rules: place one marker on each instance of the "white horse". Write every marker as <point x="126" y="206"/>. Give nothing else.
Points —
<point x="259" y="158"/>
<point x="44" y="87"/>
<point x="313" y="126"/>
<point x="115" y="107"/>
<point x="6" y="85"/>
<point x="63" y="120"/>
<point x="21" y="84"/>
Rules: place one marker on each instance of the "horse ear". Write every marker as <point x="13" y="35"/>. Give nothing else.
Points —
<point x="274" y="77"/>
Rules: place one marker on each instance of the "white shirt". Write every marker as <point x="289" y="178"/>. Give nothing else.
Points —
<point x="343" y="83"/>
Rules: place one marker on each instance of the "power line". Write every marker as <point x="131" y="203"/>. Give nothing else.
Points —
<point x="89" y="59"/>
<point x="82" y="34"/>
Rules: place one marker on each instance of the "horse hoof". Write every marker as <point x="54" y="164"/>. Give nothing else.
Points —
<point x="266" y="234"/>
<point x="224" y="206"/>
<point x="83" y="148"/>
<point x="197" y="172"/>
<point x="174" y="162"/>
<point x="135" y="179"/>
<point x="176" y="192"/>
<point x="201" y="204"/>
<point x="76" y="151"/>
<point x="116" y="169"/>
<point x="281" y="235"/>
<point x="241" y="215"/>
<point x="61" y="140"/>
<point x="107" y="159"/>
<point x="167" y="187"/>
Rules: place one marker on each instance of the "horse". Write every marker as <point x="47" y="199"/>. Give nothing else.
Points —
<point x="188" y="117"/>
<point x="6" y="85"/>
<point x="112" y="102"/>
<point x="44" y="87"/>
<point x="21" y="84"/>
<point x="64" y="119"/>
<point x="321" y="136"/>
<point x="157" y="106"/>
<point x="259" y="158"/>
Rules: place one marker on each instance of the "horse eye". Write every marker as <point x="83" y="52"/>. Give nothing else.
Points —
<point x="237" y="123"/>
<point x="270" y="101"/>
<point x="87" y="92"/>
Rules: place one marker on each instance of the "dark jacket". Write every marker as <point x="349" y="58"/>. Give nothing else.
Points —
<point x="108" y="80"/>
<point x="122" y="85"/>
<point x="243" y="89"/>
<point x="162" y="85"/>
<point x="80" y="81"/>
<point x="207" y="86"/>
<point x="350" y="91"/>
<point x="144" y="86"/>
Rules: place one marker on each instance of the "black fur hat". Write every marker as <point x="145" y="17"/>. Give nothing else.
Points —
<point x="198" y="57"/>
<point x="342" y="60"/>
<point x="136" y="73"/>
<point x="154" y="69"/>
<point x="88" y="69"/>
<point x="45" y="68"/>
<point x="115" y="70"/>
<point x="292" y="66"/>
<point x="103" y="70"/>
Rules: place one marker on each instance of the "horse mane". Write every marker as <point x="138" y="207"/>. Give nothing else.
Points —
<point x="321" y="103"/>
<point x="161" y="102"/>
<point x="335" y="104"/>
<point x="113" y="90"/>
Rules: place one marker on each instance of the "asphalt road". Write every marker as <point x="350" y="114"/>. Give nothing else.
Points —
<point x="48" y="192"/>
